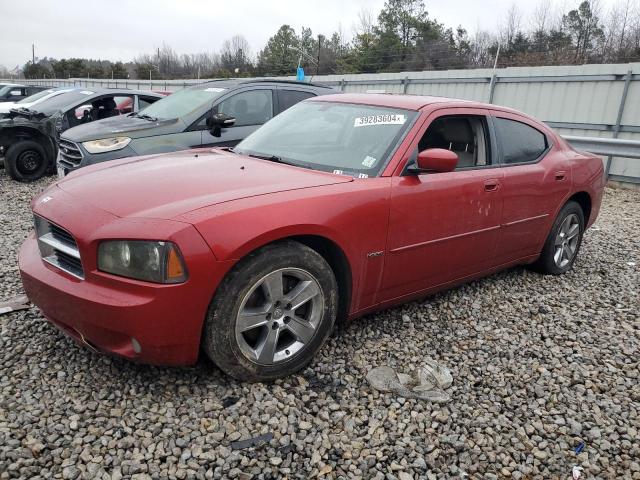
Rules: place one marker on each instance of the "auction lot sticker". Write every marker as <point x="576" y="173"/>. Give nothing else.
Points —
<point x="385" y="119"/>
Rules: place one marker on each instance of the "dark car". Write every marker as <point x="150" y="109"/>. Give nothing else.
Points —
<point x="29" y="136"/>
<point x="14" y="92"/>
<point x="184" y="120"/>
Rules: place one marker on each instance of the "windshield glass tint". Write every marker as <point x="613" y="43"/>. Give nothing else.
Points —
<point x="35" y="97"/>
<point x="342" y="138"/>
<point x="5" y="90"/>
<point x="182" y="103"/>
<point x="64" y="101"/>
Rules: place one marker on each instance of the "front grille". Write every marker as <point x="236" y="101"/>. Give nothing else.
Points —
<point x="58" y="247"/>
<point x="61" y="235"/>
<point x="70" y="154"/>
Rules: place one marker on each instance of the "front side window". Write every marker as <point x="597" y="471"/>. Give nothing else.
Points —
<point x="343" y="138"/>
<point x="253" y="107"/>
<point x="466" y="135"/>
<point x="99" y="109"/>
<point x="518" y="141"/>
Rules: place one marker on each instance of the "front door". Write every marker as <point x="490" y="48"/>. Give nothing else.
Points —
<point x="444" y="226"/>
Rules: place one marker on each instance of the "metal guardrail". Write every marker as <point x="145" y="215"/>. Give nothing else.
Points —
<point x="614" y="147"/>
<point x="609" y="147"/>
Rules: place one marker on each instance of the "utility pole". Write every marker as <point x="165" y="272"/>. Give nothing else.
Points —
<point x="319" y="46"/>
<point x="33" y="54"/>
<point x="495" y="64"/>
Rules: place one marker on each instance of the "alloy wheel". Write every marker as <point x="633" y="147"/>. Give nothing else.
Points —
<point x="279" y="316"/>
<point x="567" y="241"/>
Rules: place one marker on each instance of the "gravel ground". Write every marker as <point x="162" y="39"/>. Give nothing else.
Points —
<point x="540" y="365"/>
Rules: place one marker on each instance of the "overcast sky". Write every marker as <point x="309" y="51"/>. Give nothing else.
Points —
<point x="120" y="30"/>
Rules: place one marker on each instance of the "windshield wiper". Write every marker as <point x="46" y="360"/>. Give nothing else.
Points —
<point x="271" y="158"/>
<point x="148" y="117"/>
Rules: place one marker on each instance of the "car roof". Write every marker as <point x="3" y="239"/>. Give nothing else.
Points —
<point x="407" y="102"/>
<point x="237" y="82"/>
<point x="124" y="91"/>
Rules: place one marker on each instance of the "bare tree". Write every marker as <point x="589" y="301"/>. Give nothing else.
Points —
<point x="541" y="19"/>
<point x="512" y="24"/>
<point x="365" y="22"/>
<point x="235" y="54"/>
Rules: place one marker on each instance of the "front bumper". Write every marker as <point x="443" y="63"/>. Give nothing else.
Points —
<point x="151" y="323"/>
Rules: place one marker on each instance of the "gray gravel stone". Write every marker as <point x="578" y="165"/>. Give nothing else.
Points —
<point x="539" y="363"/>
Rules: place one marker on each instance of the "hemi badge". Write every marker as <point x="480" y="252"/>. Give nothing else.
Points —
<point x="374" y="254"/>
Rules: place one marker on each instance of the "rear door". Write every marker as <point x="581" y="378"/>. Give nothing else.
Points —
<point x="444" y="226"/>
<point x="534" y="186"/>
<point x="250" y="107"/>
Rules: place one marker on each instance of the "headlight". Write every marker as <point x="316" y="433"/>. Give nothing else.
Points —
<point x="106" y="144"/>
<point x="158" y="262"/>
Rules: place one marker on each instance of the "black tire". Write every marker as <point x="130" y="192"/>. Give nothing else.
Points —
<point x="26" y="161"/>
<point x="220" y="340"/>
<point x="546" y="263"/>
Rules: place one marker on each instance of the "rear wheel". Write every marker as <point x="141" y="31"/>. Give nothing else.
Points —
<point x="26" y="161"/>
<point x="563" y="243"/>
<point x="272" y="313"/>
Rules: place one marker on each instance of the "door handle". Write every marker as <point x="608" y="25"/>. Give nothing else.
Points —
<point x="560" y="176"/>
<point x="491" y="185"/>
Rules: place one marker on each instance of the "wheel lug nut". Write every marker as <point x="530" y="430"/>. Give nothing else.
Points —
<point x="274" y="325"/>
<point x="287" y="319"/>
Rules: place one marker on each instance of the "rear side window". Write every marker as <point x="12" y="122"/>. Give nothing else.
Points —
<point x="288" y="98"/>
<point x="518" y="141"/>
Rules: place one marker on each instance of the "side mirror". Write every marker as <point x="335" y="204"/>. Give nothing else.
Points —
<point x="436" y="160"/>
<point x="217" y="121"/>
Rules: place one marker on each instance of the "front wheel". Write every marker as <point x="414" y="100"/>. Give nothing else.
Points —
<point x="26" y="161"/>
<point x="272" y="313"/>
<point x="563" y="243"/>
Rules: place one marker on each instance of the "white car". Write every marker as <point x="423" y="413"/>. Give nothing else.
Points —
<point x="5" y="107"/>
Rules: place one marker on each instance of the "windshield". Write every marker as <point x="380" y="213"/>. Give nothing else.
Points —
<point x="335" y="137"/>
<point x="35" y="97"/>
<point x="7" y="89"/>
<point x="182" y="103"/>
<point x="63" y="101"/>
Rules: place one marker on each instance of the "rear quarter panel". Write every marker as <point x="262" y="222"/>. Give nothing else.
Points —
<point x="588" y="176"/>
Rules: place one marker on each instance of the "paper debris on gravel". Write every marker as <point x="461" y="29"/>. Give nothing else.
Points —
<point x="425" y="383"/>
<point x="21" y="302"/>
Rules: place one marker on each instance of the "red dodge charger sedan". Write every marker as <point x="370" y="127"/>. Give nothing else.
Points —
<point x="342" y="205"/>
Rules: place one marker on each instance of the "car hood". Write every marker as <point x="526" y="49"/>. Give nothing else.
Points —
<point x="6" y="106"/>
<point x="169" y="185"/>
<point x="122" y="125"/>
